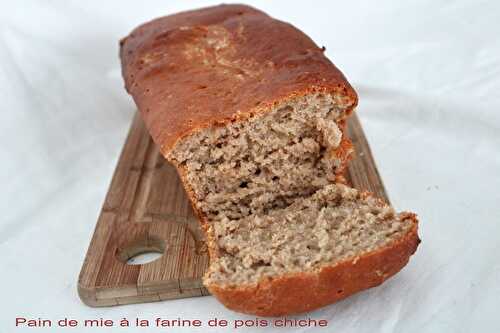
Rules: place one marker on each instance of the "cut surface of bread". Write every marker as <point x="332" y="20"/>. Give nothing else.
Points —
<point x="267" y="161"/>
<point x="325" y="228"/>
<point x="334" y="229"/>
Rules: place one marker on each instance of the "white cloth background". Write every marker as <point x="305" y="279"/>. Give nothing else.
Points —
<point x="428" y="77"/>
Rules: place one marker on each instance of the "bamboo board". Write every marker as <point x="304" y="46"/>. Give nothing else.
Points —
<point x="146" y="209"/>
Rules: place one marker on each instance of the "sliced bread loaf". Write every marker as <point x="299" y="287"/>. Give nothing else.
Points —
<point x="252" y="114"/>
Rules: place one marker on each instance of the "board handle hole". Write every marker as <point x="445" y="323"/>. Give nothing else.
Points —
<point x="141" y="252"/>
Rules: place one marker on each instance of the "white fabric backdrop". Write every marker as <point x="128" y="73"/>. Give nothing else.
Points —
<point x="428" y="76"/>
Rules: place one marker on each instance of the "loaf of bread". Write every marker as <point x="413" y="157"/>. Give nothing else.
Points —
<point x="252" y="114"/>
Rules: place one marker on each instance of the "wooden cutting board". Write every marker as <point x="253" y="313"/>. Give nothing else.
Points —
<point x="147" y="210"/>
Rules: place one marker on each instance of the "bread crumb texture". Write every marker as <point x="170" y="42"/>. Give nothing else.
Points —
<point x="264" y="163"/>
<point x="334" y="224"/>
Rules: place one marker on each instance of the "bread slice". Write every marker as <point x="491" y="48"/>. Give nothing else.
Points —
<point x="253" y="114"/>
<point x="316" y="251"/>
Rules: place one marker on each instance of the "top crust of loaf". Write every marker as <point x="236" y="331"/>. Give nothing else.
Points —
<point x="208" y="67"/>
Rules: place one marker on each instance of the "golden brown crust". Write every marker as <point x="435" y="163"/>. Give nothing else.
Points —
<point x="344" y="154"/>
<point x="301" y="292"/>
<point x="219" y="64"/>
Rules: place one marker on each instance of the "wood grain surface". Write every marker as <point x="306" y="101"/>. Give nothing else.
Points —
<point x="147" y="210"/>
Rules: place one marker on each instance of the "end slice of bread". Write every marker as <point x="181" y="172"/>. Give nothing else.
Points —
<point x="316" y="251"/>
